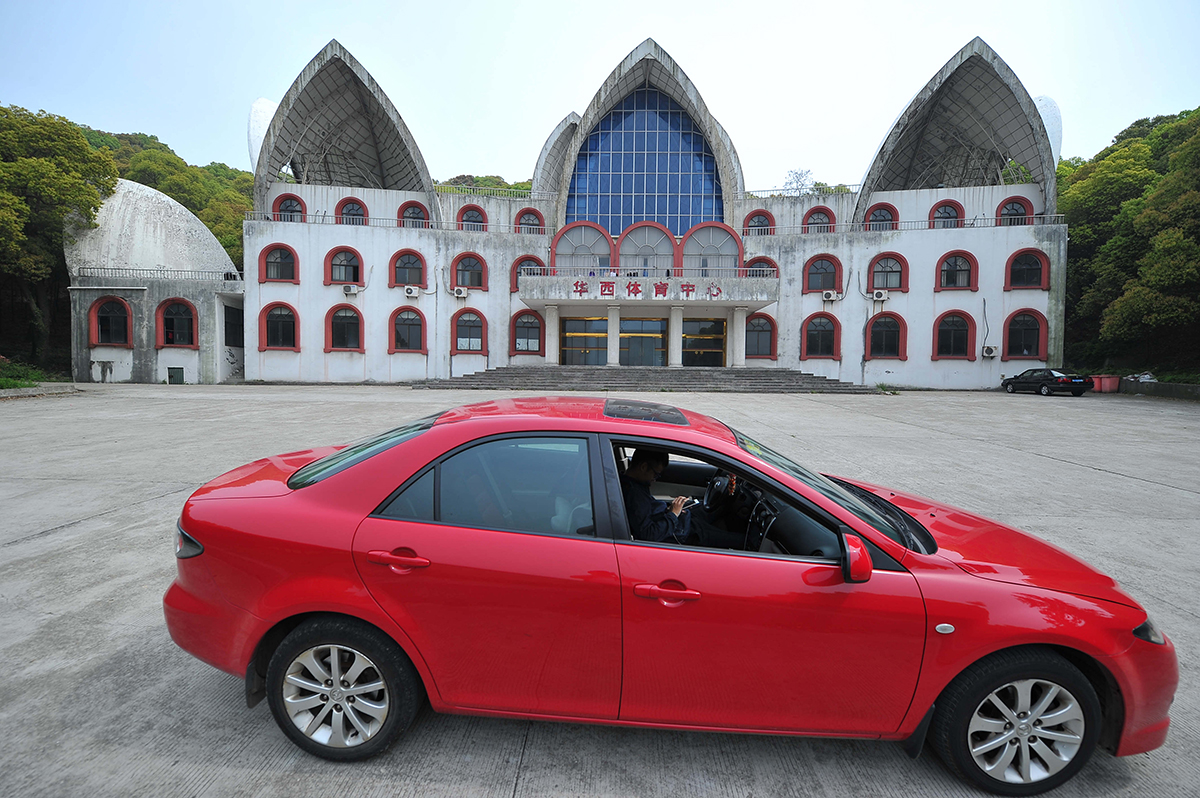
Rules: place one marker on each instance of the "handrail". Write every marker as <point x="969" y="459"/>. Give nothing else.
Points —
<point x="758" y="270"/>
<point x="797" y="193"/>
<point x="159" y="274"/>
<point x="486" y="191"/>
<point x="914" y="224"/>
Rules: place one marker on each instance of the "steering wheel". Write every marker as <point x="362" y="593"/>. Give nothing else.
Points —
<point x="718" y="492"/>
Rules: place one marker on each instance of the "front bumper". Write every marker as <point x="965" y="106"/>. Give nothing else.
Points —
<point x="1151" y="675"/>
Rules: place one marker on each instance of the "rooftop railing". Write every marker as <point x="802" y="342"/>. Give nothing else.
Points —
<point x="818" y="190"/>
<point x="483" y="191"/>
<point x="160" y="274"/>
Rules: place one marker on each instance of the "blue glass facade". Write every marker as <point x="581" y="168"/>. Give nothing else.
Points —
<point x="645" y="161"/>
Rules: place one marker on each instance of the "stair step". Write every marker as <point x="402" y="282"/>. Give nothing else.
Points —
<point x="643" y="378"/>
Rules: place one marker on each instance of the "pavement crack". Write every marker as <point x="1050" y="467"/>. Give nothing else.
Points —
<point x="521" y="759"/>
<point x="69" y="524"/>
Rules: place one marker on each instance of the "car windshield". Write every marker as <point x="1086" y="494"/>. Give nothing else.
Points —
<point x="359" y="451"/>
<point x="823" y="486"/>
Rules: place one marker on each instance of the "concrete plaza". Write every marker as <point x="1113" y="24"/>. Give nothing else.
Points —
<point x="99" y="701"/>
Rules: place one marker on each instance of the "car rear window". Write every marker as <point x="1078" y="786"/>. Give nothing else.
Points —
<point x="359" y="451"/>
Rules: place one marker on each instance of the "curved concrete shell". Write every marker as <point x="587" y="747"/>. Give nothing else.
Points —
<point x="141" y="228"/>
<point x="336" y="127"/>
<point x="548" y="173"/>
<point x="649" y="65"/>
<point x="961" y="129"/>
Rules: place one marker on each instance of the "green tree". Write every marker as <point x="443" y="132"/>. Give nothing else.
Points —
<point x="48" y="172"/>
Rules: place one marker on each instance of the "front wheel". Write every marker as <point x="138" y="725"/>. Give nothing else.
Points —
<point x="1010" y="388"/>
<point x="1045" y="390"/>
<point x="341" y="689"/>
<point x="1017" y="723"/>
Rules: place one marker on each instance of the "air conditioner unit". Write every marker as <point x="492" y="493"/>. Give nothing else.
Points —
<point x="991" y="351"/>
<point x="349" y="290"/>
<point x="412" y="290"/>
<point x="829" y="296"/>
<point x="879" y="295"/>
<point x="460" y="292"/>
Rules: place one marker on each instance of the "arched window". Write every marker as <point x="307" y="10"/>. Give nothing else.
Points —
<point x="470" y="271"/>
<point x="957" y="270"/>
<point x="760" y="336"/>
<point x="527" y="334"/>
<point x="288" y="208"/>
<point x="759" y="223"/>
<point x="1014" y="211"/>
<point x="887" y="337"/>
<point x="647" y="250"/>
<point x="526" y="266"/>
<point x="822" y="273"/>
<point x="108" y="323"/>
<point x="888" y="272"/>
<point x="413" y="214"/>
<point x="582" y="249"/>
<point x="881" y="217"/>
<point x="946" y="213"/>
<point x="531" y="223"/>
<point x="710" y="250"/>
<point x="351" y="211"/>
<point x="472" y="219"/>
<point x="818" y="220"/>
<point x="761" y="267"/>
<point x="278" y="263"/>
<point x="343" y="330"/>
<point x="470" y="333"/>
<point x="278" y="328"/>
<point x="176" y="324"/>
<point x="1027" y="268"/>
<point x="344" y="267"/>
<point x="954" y="336"/>
<point x="408" y="268"/>
<point x="1025" y="336"/>
<point x="407" y="331"/>
<point x="821" y="338"/>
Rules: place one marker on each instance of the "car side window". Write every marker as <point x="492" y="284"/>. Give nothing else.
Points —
<point x="415" y="502"/>
<point x="529" y="484"/>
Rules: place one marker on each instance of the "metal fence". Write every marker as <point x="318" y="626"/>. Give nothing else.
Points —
<point x="160" y="274"/>
<point x="759" y="270"/>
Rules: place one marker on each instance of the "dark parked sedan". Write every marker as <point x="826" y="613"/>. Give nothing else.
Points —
<point x="1048" y="381"/>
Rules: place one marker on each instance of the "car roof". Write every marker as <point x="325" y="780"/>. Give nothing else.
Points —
<point x="607" y="414"/>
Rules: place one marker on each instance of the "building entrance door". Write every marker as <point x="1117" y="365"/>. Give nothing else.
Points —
<point x="643" y="342"/>
<point x="704" y="342"/>
<point x="584" y="342"/>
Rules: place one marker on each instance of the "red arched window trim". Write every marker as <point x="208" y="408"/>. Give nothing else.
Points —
<point x="400" y="220"/>
<point x="535" y="212"/>
<point x="970" y="336"/>
<point x="392" y="269"/>
<point x="837" y="338"/>
<point x="903" y="337"/>
<point x="700" y="226"/>
<point x="158" y="325"/>
<point x="262" y="328"/>
<point x="759" y="262"/>
<point x="94" y="323"/>
<point x="1043" y="336"/>
<point x="1016" y="198"/>
<point x="512" y="272"/>
<point x="362" y="343"/>
<point x="760" y="212"/>
<point x="262" y="265"/>
<point x="454" y="350"/>
<point x="512" y="333"/>
<point x="362" y="266"/>
<point x="882" y="206"/>
<point x="613" y="253"/>
<point x="279" y="201"/>
<point x="953" y="204"/>
<point x="903" y="261"/>
<point x="822" y="209"/>
<point x="337" y="212"/>
<point x="454" y="271"/>
<point x="973" y="282"/>
<point x="464" y="209"/>
<point x="837" y="273"/>
<point x="1041" y="256"/>
<point x="774" y="337"/>
<point x="391" y="332"/>
<point x="676" y="249"/>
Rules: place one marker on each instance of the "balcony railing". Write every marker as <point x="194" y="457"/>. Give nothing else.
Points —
<point x="481" y="191"/>
<point x="391" y="221"/>
<point x="159" y="274"/>
<point x="757" y="271"/>
<point x="916" y="224"/>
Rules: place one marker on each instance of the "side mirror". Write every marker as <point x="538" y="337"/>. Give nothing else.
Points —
<point x="856" y="560"/>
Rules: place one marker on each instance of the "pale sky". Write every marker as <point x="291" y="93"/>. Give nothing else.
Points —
<point x="482" y="84"/>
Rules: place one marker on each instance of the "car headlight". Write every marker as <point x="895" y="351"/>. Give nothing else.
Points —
<point x="186" y="545"/>
<point x="1149" y="632"/>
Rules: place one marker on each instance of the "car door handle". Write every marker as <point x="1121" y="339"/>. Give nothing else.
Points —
<point x="665" y="593"/>
<point x="408" y="560"/>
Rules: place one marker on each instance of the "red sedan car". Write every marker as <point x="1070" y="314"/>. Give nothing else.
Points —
<point x="515" y="558"/>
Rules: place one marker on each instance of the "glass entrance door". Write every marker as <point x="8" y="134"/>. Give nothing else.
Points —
<point x="643" y="342"/>
<point x="704" y="342"/>
<point x="584" y="342"/>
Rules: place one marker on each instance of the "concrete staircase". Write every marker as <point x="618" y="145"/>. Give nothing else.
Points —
<point x="597" y="379"/>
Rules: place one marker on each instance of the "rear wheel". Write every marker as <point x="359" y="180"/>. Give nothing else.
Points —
<point x="1017" y="723"/>
<point x="1076" y="393"/>
<point x="342" y="689"/>
<point x="1045" y="390"/>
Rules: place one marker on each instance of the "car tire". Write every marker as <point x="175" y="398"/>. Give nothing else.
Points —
<point x="1076" y="393"/>
<point x="997" y="704"/>
<point x="342" y="719"/>
<point x="1010" y="388"/>
<point x="1045" y="390"/>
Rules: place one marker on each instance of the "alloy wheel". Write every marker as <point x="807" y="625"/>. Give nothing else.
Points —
<point x="1026" y="731"/>
<point x="335" y="696"/>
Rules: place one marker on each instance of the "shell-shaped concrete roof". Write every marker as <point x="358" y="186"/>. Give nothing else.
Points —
<point x="335" y="126"/>
<point x="548" y="172"/>
<point x="141" y="228"/>
<point x="649" y="65"/>
<point x="961" y="129"/>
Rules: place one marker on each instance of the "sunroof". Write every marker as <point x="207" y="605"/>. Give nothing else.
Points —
<point x="633" y="410"/>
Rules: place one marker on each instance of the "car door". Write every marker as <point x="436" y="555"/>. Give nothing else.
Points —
<point x="1031" y="380"/>
<point x="761" y="641"/>
<point x="490" y="562"/>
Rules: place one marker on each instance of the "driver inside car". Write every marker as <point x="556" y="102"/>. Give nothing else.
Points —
<point x="658" y="521"/>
